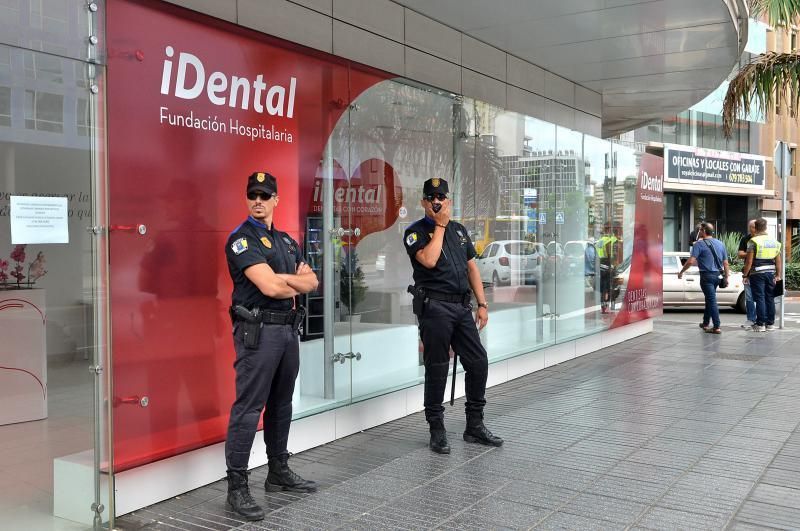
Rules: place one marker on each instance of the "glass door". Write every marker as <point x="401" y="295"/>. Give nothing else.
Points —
<point x="400" y="136"/>
<point x="53" y="421"/>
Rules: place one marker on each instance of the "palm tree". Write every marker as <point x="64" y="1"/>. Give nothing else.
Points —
<point x="770" y="78"/>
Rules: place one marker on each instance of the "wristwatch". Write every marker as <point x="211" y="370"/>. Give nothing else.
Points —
<point x="483" y="305"/>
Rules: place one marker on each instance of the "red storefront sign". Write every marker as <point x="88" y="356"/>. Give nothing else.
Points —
<point x="194" y="106"/>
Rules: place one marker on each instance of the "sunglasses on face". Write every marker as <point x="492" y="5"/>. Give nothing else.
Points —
<point x="431" y="197"/>
<point x="252" y="196"/>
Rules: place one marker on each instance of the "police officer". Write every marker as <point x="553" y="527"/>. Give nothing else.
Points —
<point x="442" y="257"/>
<point x="268" y="271"/>
<point x="762" y="268"/>
<point x="608" y="254"/>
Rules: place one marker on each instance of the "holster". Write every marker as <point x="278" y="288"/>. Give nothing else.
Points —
<point x="299" y="319"/>
<point x="418" y="301"/>
<point x="250" y="322"/>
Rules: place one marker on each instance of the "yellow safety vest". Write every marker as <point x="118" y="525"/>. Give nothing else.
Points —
<point x="601" y="245"/>
<point x="766" y="248"/>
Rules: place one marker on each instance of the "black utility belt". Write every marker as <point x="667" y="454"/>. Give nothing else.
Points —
<point x="426" y="293"/>
<point x="240" y="313"/>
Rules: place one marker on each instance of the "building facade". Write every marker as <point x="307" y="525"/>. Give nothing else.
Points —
<point x="127" y="128"/>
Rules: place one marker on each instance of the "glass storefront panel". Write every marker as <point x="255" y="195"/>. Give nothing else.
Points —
<point x="400" y="136"/>
<point x="511" y="158"/>
<point x="52" y="415"/>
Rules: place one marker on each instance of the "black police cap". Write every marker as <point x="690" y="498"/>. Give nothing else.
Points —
<point x="262" y="182"/>
<point x="435" y="186"/>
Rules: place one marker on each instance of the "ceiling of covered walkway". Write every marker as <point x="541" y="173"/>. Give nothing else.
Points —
<point x="648" y="58"/>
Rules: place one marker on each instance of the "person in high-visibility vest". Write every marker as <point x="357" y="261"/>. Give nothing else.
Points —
<point x="608" y="254"/>
<point x="762" y="268"/>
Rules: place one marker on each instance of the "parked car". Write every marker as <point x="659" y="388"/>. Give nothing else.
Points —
<point x="511" y="262"/>
<point x="686" y="291"/>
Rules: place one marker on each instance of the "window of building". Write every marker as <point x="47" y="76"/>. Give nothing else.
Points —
<point x="44" y="111"/>
<point x="82" y="113"/>
<point x="43" y="67"/>
<point x="5" y="106"/>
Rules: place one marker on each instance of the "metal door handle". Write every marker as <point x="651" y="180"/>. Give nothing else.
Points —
<point x="140" y="228"/>
<point x="342" y="232"/>
<point x="134" y="400"/>
<point x="351" y="355"/>
<point x="342" y="356"/>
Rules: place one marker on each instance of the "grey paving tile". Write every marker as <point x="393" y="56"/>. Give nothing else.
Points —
<point x="781" y="477"/>
<point x="776" y="495"/>
<point x="536" y="494"/>
<point x="375" y="485"/>
<point x="507" y="513"/>
<point x="605" y="508"/>
<point x="662" y="458"/>
<point x="575" y="522"/>
<point x="670" y="519"/>
<point x="706" y="494"/>
<point x="766" y="515"/>
<point x="629" y="489"/>
<point x="729" y="469"/>
<point x="645" y="472"/>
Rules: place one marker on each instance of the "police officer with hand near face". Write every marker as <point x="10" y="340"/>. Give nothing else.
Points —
<point x="442" y="258"/>
<point x="268" y="272"/>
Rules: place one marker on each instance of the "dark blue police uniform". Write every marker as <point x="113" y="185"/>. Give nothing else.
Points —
<point x="445" y="319"/>
<point x="265" y="375"/>
<point x="265" y="337"/>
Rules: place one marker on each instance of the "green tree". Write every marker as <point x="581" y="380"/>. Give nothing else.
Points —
<point x="771" y="78"/>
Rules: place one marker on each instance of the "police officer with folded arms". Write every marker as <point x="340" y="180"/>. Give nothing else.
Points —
<point x="444" y="270"/>
<point x="268" y="272"/>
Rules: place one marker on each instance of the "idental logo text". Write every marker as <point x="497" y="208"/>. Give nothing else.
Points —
<point x="652" y="184"/>
<point x="220" y="90"/>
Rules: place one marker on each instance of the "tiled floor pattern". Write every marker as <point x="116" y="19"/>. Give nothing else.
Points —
<point x="673" y="430"/>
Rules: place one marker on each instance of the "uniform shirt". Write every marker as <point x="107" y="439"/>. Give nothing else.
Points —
<point x="705" y="259"/>
<point x="252" y="243"/>
<point x="449" y="275"/>
<point x="743" y="243"/>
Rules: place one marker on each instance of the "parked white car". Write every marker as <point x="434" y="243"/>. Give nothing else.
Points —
<point x="686" y="291"/>
<point x="511" y="262"/>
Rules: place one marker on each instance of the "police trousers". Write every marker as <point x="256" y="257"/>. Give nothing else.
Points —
<point x="265" y="376"/>
<point x="441" y="325"/>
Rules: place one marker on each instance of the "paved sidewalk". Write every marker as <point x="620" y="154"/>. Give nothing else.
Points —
<point x="676" y="429"/>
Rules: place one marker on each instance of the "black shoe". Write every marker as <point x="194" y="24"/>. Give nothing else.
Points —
<point x="239" y="499"/>
<point x="281" y="477"/>
<point x="480" y="434"/>
<point x="439" y="442"/>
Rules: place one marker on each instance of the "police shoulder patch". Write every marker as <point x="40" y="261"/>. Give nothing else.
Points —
<point x="239" y="246"/>
<point x="411" y="239"/>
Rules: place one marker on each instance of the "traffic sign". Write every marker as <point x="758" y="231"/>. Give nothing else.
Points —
<point x="782" y="159"/>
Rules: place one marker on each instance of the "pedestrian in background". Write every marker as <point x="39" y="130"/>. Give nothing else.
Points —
<point x="711" y="258"/>
<point x="750" y="306"/>
<point x="762" y="268"/>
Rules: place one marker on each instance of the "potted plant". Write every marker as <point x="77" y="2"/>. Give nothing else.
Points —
<point x="353" y="289"/>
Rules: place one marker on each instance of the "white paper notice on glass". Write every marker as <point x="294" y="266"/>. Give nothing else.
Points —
<point x="38" y="220"/>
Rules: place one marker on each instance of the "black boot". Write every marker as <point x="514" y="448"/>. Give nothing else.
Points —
<point x="239" y="499"/>
<point x="476" y="432"/>
<point x="439" y="442"/>
<point x="281" y="477"/>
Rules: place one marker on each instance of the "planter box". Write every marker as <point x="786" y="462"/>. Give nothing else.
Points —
<point x="23" y="356"/>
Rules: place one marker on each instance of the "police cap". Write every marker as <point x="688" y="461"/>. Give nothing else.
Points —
<point x="435" y="186"/>
<point x="262" y="182"/>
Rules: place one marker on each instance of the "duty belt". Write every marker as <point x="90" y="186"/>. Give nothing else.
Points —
<point x="269" y="316"/>
<point x="463" y="298"/>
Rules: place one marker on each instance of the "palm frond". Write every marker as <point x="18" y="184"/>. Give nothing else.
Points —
<point x="780" y="13"/>
<point x="771" y="78"/>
